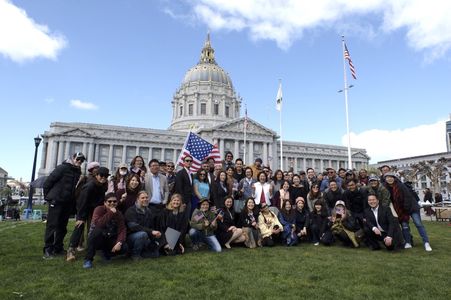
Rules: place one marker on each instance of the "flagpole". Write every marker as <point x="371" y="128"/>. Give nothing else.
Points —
<point x="245" y="133"/>
<point x="280" y="130"/>
<point x="346" y="103"/>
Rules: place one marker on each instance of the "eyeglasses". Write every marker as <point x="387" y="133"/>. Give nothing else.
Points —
<point x="111" y="201"/>
<point x="171" y="166"/>
<point x="202" y="174"/>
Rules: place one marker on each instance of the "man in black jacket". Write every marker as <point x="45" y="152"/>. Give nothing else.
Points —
<point x="59" y="192"/>
<point x="142" y="235"/>
<point x="184" y="184"/>
<point x="381" y="226"/>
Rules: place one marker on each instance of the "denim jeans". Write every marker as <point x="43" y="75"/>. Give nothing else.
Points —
<point x="137" y="242"/>
<point x="421" y="230"/>
<point x="198" y="236"/>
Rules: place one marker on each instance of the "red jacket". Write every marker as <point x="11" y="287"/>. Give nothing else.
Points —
<point x="102" y="216"/>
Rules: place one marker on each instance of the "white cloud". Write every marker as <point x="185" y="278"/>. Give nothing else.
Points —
<point x="83" y="105"/>
<point x="21" y="38"/>
<point x="392" y="144"/>
<point x="427" y="23"/>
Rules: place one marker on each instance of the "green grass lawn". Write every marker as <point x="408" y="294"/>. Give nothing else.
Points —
<point x="304" y="271"/>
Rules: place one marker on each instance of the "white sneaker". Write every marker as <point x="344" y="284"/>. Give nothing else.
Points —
<point x="427" y="247"/>
<point x="407" y="246"/>
<point x="316" y="244"/>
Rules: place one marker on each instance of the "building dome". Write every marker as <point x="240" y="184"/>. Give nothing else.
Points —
<point x="206" y="97"/>
<point x="207" y="72"/>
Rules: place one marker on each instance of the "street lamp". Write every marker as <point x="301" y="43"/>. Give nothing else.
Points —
<point x="29" y="209"/>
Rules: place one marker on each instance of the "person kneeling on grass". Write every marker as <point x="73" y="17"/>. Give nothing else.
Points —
<point x="174" y="217"/>
<point x="143" y="239"/>
<point x="287" y="218"/>
<point x="227" y="231"/>
<point x="344" y="226"/>
<point x="380" y="226"/>
<point x="269" y="225"/>
<point x="203" y="225"/>
<point x="107" y="231"/>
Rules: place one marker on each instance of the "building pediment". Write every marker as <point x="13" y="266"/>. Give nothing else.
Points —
<point x="360" y="154"/>
<point x="237" y="126"/>
<point x="75" y="132"/>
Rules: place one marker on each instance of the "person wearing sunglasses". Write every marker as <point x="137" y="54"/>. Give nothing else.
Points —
<point x="91" y="196"/>
<point x="59" y="192"/>
<point x="184" y="184"/>
<point x="108" y="231"/>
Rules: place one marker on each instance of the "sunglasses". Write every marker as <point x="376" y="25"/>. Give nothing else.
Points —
<point x="80" y="160"/>
<point x="111" y="201"/>
<point x="188" y="160"/>
<point x="170" y="166"/>
<point x="202" y="174"/>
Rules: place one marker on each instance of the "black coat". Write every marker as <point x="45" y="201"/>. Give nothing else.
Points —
<point x="92" y="195"/>
<point x="218" y="194"/>
<point x="331" y="197"/>
<point x="140" y="220"/>
<point x="183" y="185"/>
<point x="356" y="201"/>
<point x="177" y="222"/>
<point x="228" y="220"/>
<point x="245" y="220"/>
<point x="61" y="183"/>
<point x="384" y="218"/>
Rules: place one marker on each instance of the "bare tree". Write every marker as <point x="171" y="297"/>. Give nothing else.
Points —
<point x="434" y="170"/>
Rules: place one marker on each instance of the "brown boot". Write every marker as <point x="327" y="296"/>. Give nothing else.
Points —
<point x="70" y="254"/>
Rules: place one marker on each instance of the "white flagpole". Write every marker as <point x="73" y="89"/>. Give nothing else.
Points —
<point x="346" y="103"/>
<point x="279" y="106"/>
<point x="245" y="133"/>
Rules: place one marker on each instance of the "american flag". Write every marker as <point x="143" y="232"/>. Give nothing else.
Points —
<point x="199" y="149"/>
<point x="351" y="66"/>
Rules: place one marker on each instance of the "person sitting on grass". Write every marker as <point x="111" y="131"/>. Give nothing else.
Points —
<point x="227" y="231"/>
<point x="344" y="225"/>
<point x="107" y="232"/>
<point x="269" y="225"/>
<point x="174" y="217"/>
<point x="318" y="221"/>
<point x="302" y="218"/>
<point x="248" y="223"/>
<point x="287" y="218"/>
<point x="203" y="225"/>
<point x="143" y="235"/>
<point x="380" y="226"/>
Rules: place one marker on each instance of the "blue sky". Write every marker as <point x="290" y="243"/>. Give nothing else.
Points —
<point x="120" y="62"/>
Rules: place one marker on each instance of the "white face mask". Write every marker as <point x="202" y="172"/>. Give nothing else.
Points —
<point x="123" y="172"/>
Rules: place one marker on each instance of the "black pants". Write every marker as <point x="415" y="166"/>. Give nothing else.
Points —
<point x="56" y="226"/>
<point x="77" y="233"/>
<point x="97" y="240"/>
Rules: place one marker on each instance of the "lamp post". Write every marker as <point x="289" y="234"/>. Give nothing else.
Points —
<point x="29" y="209"/>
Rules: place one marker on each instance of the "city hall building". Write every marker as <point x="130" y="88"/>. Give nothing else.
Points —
<point x="206" y="103"/>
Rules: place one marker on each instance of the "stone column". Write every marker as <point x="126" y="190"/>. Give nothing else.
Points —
<point x="237" y="149"/>
<point x="163" y="150"/>
<point x="90" y="152"/>
<point x="45" y="146"/>
<point x="124" y="154"/>
<point x="321" y="163"/>
<point x="110" y="157"/>
<point x="271" y="155"/>
<point x="54" y="153"/>
<point x="96" y="153"/>
<point x="174" y="157"/>
<point x="221" y="148"/>
<point x="66" y="150"/>
<point x="60" y="152"/>
<point x="265" y="153"/>
<point x="251" y="153"/>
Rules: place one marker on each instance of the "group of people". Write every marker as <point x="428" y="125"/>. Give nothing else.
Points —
<point x="150" y="210"/>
